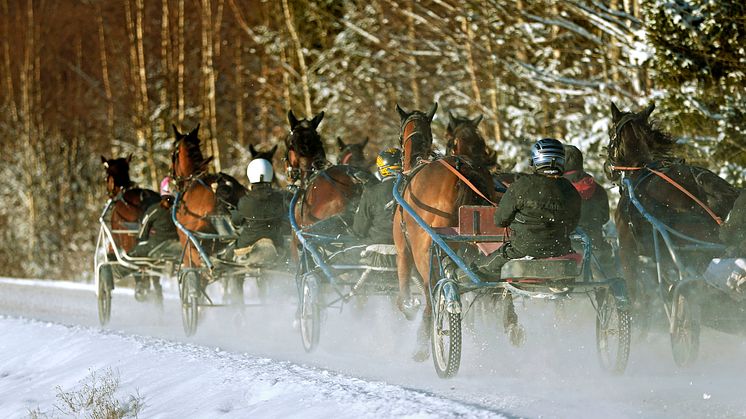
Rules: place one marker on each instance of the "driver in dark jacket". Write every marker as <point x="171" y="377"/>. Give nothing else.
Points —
<point x="542" y="210"/>
<point x="375" y="212"/>
<point x="157" y="226"/>
<point x="261" y="216"/>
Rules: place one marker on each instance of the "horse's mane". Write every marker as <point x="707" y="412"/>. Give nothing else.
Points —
<point x="659" y="142"/>
<point x="194" y="152"/>
<point x="119" y="170"/>
<point x="305" y="141"/>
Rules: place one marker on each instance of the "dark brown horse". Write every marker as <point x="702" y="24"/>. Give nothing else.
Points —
<point x="435" y="193"/>
<point x="328" y="189"/>
<point x="463" y="139"/>
<point x="202" y="194"/>
<point x="353" y="154"/>
<point x="637" y="150"/>
<point x="130" y="202"/>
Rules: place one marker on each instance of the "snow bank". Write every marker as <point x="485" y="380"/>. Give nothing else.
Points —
<point x="184" y="380"/>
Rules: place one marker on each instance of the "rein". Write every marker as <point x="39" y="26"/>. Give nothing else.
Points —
<point x="465" y="180"/>
<point x="677" y="185"/>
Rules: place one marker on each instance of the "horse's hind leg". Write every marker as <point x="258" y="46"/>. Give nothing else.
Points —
<point x="514" y="330"/>
<point x="422" y="351"/>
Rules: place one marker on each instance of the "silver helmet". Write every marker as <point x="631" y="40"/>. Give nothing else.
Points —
<point x="548" y="156"/>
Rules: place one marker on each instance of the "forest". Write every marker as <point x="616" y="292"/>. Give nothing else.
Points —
<point x="85" y="78"/>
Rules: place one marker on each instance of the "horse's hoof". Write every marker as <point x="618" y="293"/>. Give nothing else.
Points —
<point x="421" y="355"/>
<point x="516" y="334"/>
<point x="408" y="306"/>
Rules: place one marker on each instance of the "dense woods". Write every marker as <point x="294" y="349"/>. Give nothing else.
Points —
<point x="82" y="78"/>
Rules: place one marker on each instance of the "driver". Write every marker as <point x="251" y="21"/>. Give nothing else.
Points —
<point x="373" y="222"/>
<point x="260" y="216"/>
<point x="542" y="210"/>
<point x="157" y="225"/>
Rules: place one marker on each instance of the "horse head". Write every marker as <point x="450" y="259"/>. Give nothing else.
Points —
<point x="187" y="159"/>
<point x="117" y="174"/>
<point x="463" y="139"/>
<point x="352" y="154"/>
<point x="304" y="147"/>
<point x="416" y="137"/>
<point x="634" y="141"/>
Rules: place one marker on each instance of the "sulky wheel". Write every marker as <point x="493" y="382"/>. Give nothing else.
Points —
<point x="446" y="337"/>
<point x="685" y="329"/>
<point x="105" y="286"/>
<point x="612" y="332"/>
<point x="310" y="312"/>
<point x="189" y="291"/>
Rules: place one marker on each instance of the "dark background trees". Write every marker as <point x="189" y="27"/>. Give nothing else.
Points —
<point x="82" y="78"/>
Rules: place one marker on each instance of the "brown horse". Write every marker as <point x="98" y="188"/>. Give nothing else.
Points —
<point x="463" y="139"/>
<point x="130" y="202"/>
<point x="202" y="194"/>
<point x="435" y="193"/>
<point x="328" y="190"/>
<point x="353" y="154"/>
<point x="637" y="150"/>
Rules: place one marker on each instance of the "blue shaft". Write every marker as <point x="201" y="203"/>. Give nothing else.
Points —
<point x="299" y="234"/>
<point x="433" y="235"/>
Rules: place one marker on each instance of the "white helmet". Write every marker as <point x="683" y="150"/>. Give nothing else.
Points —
<point x="259" y="170"/>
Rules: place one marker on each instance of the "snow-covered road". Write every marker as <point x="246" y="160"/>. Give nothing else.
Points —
<point x="252" y="365"/>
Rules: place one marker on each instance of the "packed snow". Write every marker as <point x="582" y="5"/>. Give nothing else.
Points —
<point x="251" y="364"/>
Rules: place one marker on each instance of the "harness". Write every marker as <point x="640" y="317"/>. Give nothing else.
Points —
<point x="677" y="185"/>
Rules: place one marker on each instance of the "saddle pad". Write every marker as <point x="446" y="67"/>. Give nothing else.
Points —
<point x="554" y="268"/>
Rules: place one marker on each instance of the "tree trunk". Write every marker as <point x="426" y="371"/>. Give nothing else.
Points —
<point x="105" y="80"/>
<point x="411" y="36"/>
<point x="497" y="130"/>
<point x="301" y="57"/>
<point x="166" y="66"/>
<point x="239" y="89"/>
<point x="145" y="129"/>
<point x="470" y="67"/>
<point x="180" y="103"/>
<point x="208" y="73"/>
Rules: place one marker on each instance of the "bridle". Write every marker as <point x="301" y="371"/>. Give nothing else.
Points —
<point x="615" y="140"/>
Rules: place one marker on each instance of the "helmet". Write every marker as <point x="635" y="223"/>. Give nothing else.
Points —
<point x="389" y="162"/>
<point x="166" y="187"/>
<point x="548" y="156"/>
<point x="259" y="170"/>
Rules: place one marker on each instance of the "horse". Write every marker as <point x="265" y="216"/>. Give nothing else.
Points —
<point x="642" y="152"/>
<point x="463" y="138"/>
<point x="130" y="201"/>
<point x="435" y="193"/>
<point x="353" y="154"/>
<point x="203" y="194"/>
<point x="328" y="190"/>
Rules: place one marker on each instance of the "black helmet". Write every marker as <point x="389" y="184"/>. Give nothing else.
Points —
<point x="573" y="158"/>
<point x="548" y="156"/>
<point x="389" y="162"/>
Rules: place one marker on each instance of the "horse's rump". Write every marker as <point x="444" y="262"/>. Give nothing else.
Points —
<point x="332" y="191"/>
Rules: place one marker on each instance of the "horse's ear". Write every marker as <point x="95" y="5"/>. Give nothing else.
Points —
<point x="252" y="150"/>
<point x="431" y="114"/>
<point x="341" y="144"/>
<point x="402" y="113"/>
<point x="104" y="161"/>
<point x="292" y="119"/>
<point x="129" y="158"/>
<point x="273" y="151"/>
<point x="477" y="120"/>
<point x="366" y="141"/>
<point x="317" y="119"/>
<point x="176" y="131"/>
<point x="616" y="114"/>
<point x="451" y="118"/>
<point x="648" y="110"/>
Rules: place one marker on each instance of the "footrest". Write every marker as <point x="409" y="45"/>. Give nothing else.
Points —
<point x="548" y="269"/>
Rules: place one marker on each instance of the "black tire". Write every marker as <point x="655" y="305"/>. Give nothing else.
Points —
<point x="105" y="282"/>
<point x="613" y="333"/>
<point x="446" y="338"/>
<point x="685" y="330"/>
<point x="189" y="301"/>
<point x="309" y="312"/>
